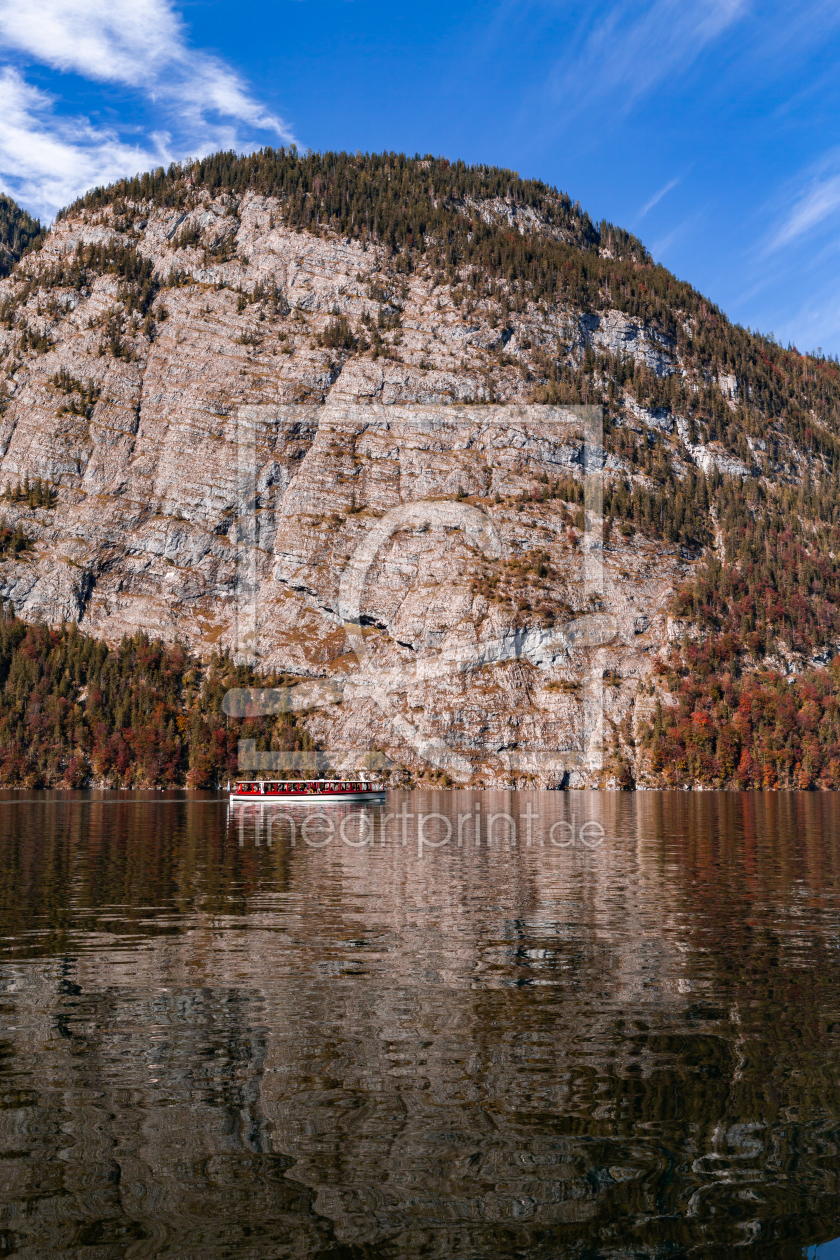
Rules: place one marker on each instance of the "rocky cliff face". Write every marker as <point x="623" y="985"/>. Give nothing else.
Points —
<point x="273" y="440"/>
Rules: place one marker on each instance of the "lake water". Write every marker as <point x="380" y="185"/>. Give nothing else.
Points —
<point x="386" y="1037"/>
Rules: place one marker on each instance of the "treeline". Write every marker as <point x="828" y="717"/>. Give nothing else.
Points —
<point x="387" y="195"/>
<point x="776" y="585"/>
<point x="767" y="601"/>
<point x="19" y="233"/>
<point x="430" y="209"/>
<point x="75" y="712"/>
<point x="735" y="729"/>
<point x="13" y="541"/>
<point x="34" y="494"/>
<point x="77" y="271"/>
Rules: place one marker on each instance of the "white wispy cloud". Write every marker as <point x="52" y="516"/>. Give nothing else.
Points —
<point x="657" y="197"/>
<point x="633" y="48"/>
<point x="810" y="206"/>
<point x="46" y="159"/>
<point x="141" y="43"/>
<point x="96" y="38"/>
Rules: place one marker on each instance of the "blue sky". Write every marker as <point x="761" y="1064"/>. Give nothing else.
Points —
<point x="711" y="128"/>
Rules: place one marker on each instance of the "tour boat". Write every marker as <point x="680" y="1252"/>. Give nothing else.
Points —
<point x="306" y="791"/>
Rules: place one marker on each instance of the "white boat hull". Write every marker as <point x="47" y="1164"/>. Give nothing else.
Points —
<point x="304" y="798"/>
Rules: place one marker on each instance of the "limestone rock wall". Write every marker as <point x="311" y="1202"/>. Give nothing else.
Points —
<point x="291" y="425"/>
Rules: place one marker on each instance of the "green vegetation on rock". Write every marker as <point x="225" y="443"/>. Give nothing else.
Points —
<point x="19" y="233"/>
<point x="74" y="711"/>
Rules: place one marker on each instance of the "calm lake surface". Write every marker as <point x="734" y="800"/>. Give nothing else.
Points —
<point x="224" y="1038"/>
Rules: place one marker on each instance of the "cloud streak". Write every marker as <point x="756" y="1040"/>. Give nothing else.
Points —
<point x="47" y="159"/>
<point x="633" y="50"/>
<point x="818" y="201"/>
<point x="139" y="43"/>
<point x="657" y="197"/>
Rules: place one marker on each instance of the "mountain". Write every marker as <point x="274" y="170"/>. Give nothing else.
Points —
<point x="19" y="232"/>
<point x="277" y="359"/>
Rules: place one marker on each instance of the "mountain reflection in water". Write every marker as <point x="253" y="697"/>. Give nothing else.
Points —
<point x="216" y="1042"/>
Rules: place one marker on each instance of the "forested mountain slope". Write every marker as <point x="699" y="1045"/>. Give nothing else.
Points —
<point x="348" y="314"/>
<point x="19" y="232"/>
